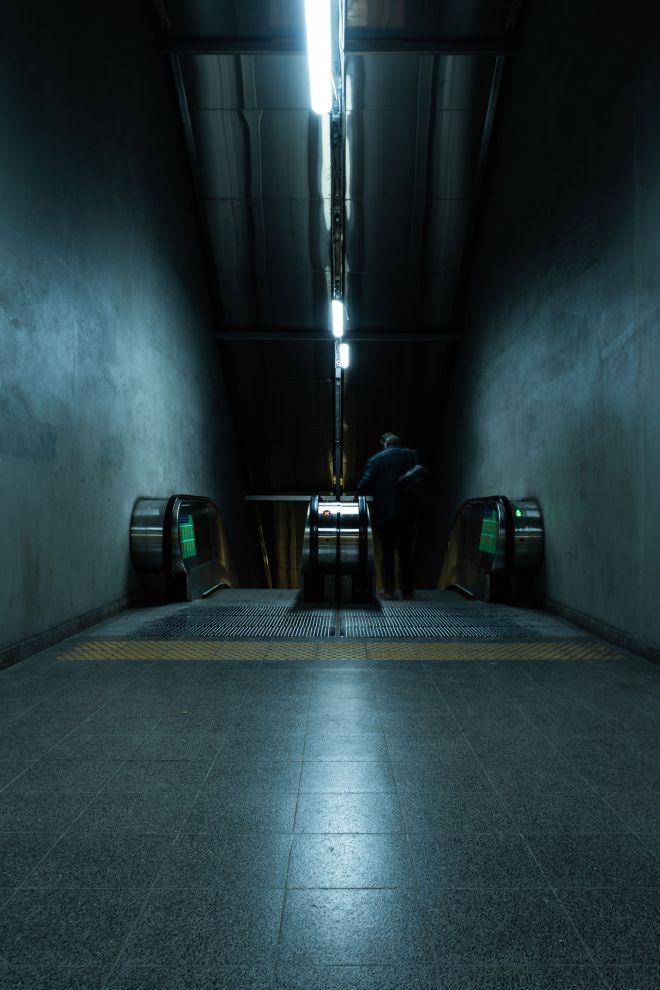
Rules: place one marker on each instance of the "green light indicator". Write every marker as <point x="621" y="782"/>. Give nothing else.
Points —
<point x="187" y="537"/>
<point x="489" y="532"/>
<point x="518" y="512"/>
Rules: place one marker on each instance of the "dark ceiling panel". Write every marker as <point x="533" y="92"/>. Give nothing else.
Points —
<point x="375" y="300"/>
<point x="447" y="222"/>
<point x="385" y="82"/>
<point x="375" y="231"/>
<point x="239" y="296"/>
<point x="427" y="18"/>
<point x="230" y="224"/>
<point x="235" y="18"/>
<point x="222" y="141"/>
<point x="299" y="301"/>
<point x="235" y="82"/>
<point x="269" y="153"/>
<point x="437" y="297"/>
<point x="382" y="149"/>
<point x="454" y="146"/>
<point x="297" y="235"/>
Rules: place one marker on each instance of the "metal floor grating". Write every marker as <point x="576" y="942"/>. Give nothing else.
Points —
<point x="244" y="621"/>
<point x="391" y="620"/>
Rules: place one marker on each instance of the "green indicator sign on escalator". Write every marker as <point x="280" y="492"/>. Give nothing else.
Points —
<point x="518" y="512"/>
<point x="489" y="530"/>
<point x="187" y="537"/>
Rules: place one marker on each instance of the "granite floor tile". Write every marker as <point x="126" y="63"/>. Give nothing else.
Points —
<point x="226" y="860"/>
<point x="67" y="927"/>
<point x="610" y="860"/>
<point x="240" y="810"/>
<point x="49" y="775"/>
<point x="271" y="775"/>
<point x="353" y="709"/>
<point x="38" y="811"/>
<point x="638" y="807"/>
<point x="633" y="977"/>
<point x="277" y="746"/>
<point x="179" y="745"/>
<point x="256" y="724"/>
<point x="501" y="927"/>
<point x="126" y="810"/>
<point x="87" y="745"/>
<point x="364" y="746"/>
<point x="108" y="859"/>
<point x="454" y="809"/>
<point x="140" y="723"/>
<point x="19" y="854"/>
<point x="310" y="977"/>
<point x="528" y="978"/>
<point x="10" y="769"/>
<point x="353" y="927"/>
<point x="32" y="736"/>
<point x="620" y="926"/>
<point x="53" y="977"/>
<point x="192" y="977"/>
<point x="463" y="773"/>
<point x="350" y="813"/>
<point x="565" y="809"/>
<point x="207" y="928"/>
<point x="417" y="748"/>
<point x="473" y="861"/>
<point x="343" y="725"/>
<point x="347" y="777"/>
<point x="157" y="776"/>
<point x="350" y="861"/>
<point x="417" y="723"/>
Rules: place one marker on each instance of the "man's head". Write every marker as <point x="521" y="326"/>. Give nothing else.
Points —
<point x="390" y="440"/>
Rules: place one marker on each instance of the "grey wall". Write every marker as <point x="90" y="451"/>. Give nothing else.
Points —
<point x="111" y="386"/>
<point x="555" y="390"/>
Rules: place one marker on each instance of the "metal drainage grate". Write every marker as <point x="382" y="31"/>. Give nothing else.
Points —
<point x="397" y="620"/>
<point x="421" y="620"/>
<point x="244" y="621"/>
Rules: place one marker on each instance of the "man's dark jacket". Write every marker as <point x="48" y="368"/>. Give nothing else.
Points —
<point x="380" y="478"/>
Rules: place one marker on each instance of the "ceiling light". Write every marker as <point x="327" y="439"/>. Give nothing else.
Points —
<point x="319" y="54"/>
<point x="337" y="308"/>
<point x="343" y="355"/>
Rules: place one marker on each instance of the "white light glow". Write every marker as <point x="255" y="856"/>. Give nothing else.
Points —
<point x="343" y="355"/>
<point x="337" y="308"/>
<point x="319" y="54"/>
<point x="326" y="170"/>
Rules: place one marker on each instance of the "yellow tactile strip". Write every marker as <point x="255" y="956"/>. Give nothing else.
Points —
<point x="168" y="649"/>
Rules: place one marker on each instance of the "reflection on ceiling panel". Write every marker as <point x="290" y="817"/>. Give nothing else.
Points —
<point x="240" y="82"/>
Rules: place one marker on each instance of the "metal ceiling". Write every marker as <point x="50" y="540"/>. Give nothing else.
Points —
<point x="422" y="79"/>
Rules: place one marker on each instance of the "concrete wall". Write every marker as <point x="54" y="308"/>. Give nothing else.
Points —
<point x="111" y="386"/>
<point x="555" y="390"/>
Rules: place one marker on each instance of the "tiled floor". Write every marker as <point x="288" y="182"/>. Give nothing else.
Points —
<point x="363" y="824"/>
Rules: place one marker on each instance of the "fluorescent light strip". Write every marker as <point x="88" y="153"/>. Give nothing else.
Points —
<point x="319" y="54"/>
<point x="343" y="355"/>
<point x="337" y="309"/>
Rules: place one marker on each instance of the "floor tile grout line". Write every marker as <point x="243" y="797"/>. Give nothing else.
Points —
<point x="606" y="983"/>
<point x="23" y="885"/>
<point x="280" y="930"/>
<point x="58" y="742"/>
<point x="407" y="834"/>
<point x="565" y="759"/>
<point x="119" y="960"/>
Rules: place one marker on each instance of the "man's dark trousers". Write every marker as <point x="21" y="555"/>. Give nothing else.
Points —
<point x="396" y="535"/>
